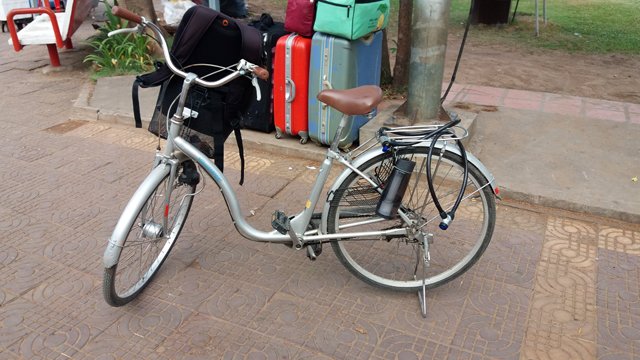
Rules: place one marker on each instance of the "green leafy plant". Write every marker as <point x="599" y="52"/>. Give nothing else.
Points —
<point x="120" y="54"/>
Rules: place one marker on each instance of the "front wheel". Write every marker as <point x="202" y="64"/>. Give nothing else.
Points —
<point x="157" y="224"/>
<point x="398" y="262"/>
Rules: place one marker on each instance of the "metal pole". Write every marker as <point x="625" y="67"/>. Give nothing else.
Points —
<point x="426" y="66"/>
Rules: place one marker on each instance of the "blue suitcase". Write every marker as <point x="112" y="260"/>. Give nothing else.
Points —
<point x="340" y="64"/>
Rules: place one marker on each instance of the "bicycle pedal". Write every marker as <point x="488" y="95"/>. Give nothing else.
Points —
<point x="280" y="222"/>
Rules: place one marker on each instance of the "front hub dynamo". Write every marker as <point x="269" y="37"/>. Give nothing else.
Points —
<point x="152" y="230"/>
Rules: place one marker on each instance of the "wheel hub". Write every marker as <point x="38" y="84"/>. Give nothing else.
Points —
<point x="152" y="230"/>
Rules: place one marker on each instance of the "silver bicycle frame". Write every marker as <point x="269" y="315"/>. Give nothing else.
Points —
<point x="300" y="221"/>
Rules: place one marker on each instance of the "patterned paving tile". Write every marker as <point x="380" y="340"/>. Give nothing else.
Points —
<point x="562" y="317"/>
<point x="128" y="138"/>
<point x="87" y="259"/>
<point x="365" y="301"/>
<point x="34" y="234"/>
<point x="6" y="354"/>
<point x="106" y="346"/>
<point x="445" y="305"/>
<point x="618" y="287"/>
<point x="493" y="320"/>
<point x="236" y="302"/>
<point x="398" y="345"/>
<point x="322" y="280"/>
<point x="615" y="239"/>
<point x="344" y="336"/>
<point x="28" y="150"/>
<point x="76" y="295"/>
<point x="618" y="301"/>
<point x="604" y="353"/>
<point x="240" y="262"/>
<point x="151" y="319"/>
<point x="29" y="331"/>
<point x="10" y="221"/>
<point x="512" y="257"/>
<point x="289" y="318"/>
<point x="187" y="287"/>
<point x="28" y="271"/>
<point x="202" y="337"/>
<point x="459" y="354"/>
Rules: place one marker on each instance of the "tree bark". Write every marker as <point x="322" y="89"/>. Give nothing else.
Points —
<point x="426" y="64"/>
<point x="385" y="74"/>
<point x="403" y="52"/>
<point x="143" y="8"/>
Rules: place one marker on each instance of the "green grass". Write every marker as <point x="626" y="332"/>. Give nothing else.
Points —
<point x="591" y="26"/>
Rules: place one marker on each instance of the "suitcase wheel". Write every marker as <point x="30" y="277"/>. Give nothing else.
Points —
<point x="304" y="137"/>
<point x="278" y="133"/>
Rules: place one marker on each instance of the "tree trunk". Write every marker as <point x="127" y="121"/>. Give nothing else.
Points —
<point x="143" y="8"/>
<point x="426" y="64"/>
<point x="385" y="74"/>
<point x="403" y="53"/>
<point x="146" y="9"/>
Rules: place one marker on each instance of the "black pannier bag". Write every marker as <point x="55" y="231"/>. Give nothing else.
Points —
<point x="205" y="36"/>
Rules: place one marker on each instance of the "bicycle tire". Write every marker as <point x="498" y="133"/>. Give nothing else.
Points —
<point x="147" y="242"/>
<point x="396" y="263"/>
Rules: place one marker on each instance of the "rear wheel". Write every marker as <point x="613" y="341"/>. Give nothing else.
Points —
<point x="155" y="230"/>
<point x="397" y="263"/>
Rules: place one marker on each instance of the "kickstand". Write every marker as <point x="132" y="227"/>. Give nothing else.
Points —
<point x="422" y="298"/>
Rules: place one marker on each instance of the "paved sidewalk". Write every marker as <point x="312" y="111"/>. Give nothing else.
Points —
<point x="545" y="103"/>
<point x="551" y="285"/>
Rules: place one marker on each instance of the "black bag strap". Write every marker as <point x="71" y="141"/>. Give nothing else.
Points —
<point x="137" y="83"/>
<point x="136" y="102"/>
<point x="236" y="131"/>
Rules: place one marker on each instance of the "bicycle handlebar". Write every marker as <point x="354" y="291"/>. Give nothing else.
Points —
<point x="243" y="66"/>
<point x="127" y="15"/>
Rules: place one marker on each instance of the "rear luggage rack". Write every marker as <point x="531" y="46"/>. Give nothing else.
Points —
<point x="411" y="134"/>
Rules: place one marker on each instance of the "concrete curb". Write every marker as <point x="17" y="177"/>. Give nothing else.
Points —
<point x="542" y="200"/>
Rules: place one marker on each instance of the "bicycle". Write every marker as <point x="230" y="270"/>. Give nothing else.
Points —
<point x="411" y="210"/>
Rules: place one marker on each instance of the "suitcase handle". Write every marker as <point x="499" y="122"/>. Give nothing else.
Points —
<point x="289" y="90"/>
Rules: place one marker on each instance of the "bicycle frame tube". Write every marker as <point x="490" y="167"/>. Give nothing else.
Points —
<point x="299" y="222"/>
<point x="177" y="120"/>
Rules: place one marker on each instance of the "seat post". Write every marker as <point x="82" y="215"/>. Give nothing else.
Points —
<point x="338" y="136"/>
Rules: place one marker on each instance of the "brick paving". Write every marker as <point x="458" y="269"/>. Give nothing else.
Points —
<point x="544" y="103"/>
<point x="551" y="285"/>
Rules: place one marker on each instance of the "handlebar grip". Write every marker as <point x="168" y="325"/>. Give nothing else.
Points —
<point x="126" y="14"/>
<point x="261" y="73"/>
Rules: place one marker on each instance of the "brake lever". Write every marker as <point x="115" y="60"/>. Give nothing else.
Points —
<point x="254" y="82"/>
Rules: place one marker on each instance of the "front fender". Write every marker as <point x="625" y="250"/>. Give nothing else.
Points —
<point x="363" y="158"/>
<point x="129" y="215"/>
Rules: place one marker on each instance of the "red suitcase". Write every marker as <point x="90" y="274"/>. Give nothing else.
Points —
<point x="291" y="86"/>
